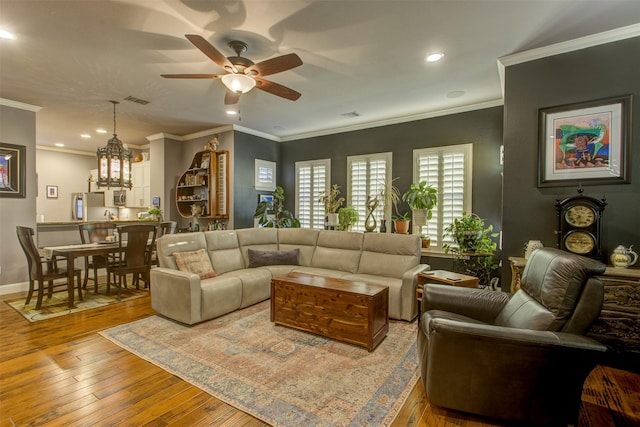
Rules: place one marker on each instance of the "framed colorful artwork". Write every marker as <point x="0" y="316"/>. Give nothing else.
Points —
<point x="12" y="170"/>
<point x="585" y="143"/>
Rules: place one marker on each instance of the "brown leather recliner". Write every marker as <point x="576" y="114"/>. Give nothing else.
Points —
<point x="523" y="358"/>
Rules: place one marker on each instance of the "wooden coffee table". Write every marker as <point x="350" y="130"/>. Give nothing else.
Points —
<point x="354" y="312"/>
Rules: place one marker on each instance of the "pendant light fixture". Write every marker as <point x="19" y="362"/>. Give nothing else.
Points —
<point x="114" y="161"/>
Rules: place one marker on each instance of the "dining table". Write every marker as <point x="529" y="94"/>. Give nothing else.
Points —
<point x="71" y="252"/>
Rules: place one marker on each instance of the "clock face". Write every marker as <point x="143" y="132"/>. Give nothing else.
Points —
<point x="579" y="242"/>
<point x="580" y="216"/>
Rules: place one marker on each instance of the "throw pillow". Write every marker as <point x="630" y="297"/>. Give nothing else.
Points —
<point x="196" y="262"/>
<point x="260" y="258"/>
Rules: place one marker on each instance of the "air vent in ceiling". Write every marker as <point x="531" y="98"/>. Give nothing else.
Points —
<point x="136" y="100"/>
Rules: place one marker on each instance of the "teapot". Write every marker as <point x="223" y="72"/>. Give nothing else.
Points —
<point x="623" y="257"/>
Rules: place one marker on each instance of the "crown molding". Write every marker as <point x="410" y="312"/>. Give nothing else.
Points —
<point x="257" y="133"/>
<point x="604" y="37"/>
<point x="65" y="150"/>
<point x="395" y="120"/>
<point x="163" y="135"/>
<point x="20" y="105"/>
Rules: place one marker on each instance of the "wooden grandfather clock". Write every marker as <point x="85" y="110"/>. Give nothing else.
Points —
<point x="580" y="225"/>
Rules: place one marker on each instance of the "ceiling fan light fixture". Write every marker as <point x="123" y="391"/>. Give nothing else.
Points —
<point x="238" y="83"/>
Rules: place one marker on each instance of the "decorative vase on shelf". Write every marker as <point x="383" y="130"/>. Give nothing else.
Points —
<point x="383" y="225"/>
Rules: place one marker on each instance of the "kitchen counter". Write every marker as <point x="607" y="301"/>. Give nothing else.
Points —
<point x="59" y="233"/>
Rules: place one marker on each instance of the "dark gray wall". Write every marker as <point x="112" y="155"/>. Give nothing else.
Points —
<point x="483" y="128"/>
<point x="247" y="148"/>
<point x="599" y="72"/>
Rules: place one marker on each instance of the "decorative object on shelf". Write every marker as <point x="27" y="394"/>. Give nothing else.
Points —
<point x="213" y="144"/>
<point x="401" y="222"/>
<point x="370" y="220"/>
<point x="585" y="143"/>
<point x="473" y="247"/>
<point x="331" y="203"/>
<point x="580" y="225"/>
<point x="273" y="214"/>
<point x="12" y="170"/>
<point x="348" y="216"/>
<point x="623" y="257"/>
<point x="421" y="198"/>
<point x="114" y="161"/>
<point x="52" y="191"/>
<point x="531" y="246"/>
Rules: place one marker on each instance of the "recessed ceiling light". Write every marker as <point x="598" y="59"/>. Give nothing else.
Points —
<point x="434" y="57"/>
<point x="6" y="35"/>
<point x="101" y="131"/>
<point x="232" y="112"/>
<point x="85" y="136"/>
<point x="59" y="144"/>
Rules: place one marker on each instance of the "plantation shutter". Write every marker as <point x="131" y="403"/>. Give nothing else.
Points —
<point x="449" y="169"/>
<point x="367" y="176"/>
<point x="311" y="180"/>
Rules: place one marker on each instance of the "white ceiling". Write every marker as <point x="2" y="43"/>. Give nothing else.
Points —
<point x="362" y="56"/>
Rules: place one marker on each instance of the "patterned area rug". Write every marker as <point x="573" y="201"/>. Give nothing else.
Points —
<point x="56" y="306"/>
<point x="280" y="375"/>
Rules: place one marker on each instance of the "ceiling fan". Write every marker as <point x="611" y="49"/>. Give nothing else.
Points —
<point x="242" y="74"/>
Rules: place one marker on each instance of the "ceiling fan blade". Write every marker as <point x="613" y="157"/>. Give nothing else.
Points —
<point x="191" y="76"/>
<point x="231" y="97"/>
<point x="274" y="65"/>
<point x="277" y="89"/>
<point x="214" y="54"/>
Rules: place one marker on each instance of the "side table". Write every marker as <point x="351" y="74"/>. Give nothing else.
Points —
<point x="517" y="266"/>
<point x="444" y="277"/>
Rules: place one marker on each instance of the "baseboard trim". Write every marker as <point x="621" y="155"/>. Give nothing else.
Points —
<point x="14" y="288"/>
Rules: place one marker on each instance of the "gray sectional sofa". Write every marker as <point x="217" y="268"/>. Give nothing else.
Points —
<point x="392" y="260"/>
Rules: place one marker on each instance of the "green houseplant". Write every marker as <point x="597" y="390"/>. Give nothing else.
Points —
<point x="274" y="214"/>
<point x="473" y="247"/>
<point x="331" y="201"/>
<point x="155" y="213"/>
<point x="347" y="216"/>
<point x="401" y="222"/>
<point x="422" y="199"/>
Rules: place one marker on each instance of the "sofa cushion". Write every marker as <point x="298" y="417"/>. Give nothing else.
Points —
<point x="338" y="250"/>
<point x="264" y="239"/>
<point x="389" y="255"/>
<point x="196" y="262"/>
<point x="304" y="239"/>
<point x="224" y="250"/>
<point x="259" y="258"/>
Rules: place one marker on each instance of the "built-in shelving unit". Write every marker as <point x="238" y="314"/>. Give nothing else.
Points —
<point x="203" y="189"/>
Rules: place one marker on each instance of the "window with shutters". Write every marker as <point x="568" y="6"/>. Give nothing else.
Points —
<point x="367" y="176"/>
<point x="449" y="169"/>
<point x="312" y="178"/>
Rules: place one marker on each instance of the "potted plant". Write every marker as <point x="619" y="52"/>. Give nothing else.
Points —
<point x="348" y="216"/>
<point x="331" y="203"/>
<point x="155" y="213"/>
<point x="389" y="196"/>
<point x="473" y="247"/>
<point x="421" y="198"/>
<point x="401" y="222"/>
<point x="273" y="214"/>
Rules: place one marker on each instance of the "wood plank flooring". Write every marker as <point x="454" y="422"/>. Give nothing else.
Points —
<point x="60" y="372"/>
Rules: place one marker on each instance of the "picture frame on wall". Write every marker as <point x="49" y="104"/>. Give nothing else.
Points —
<point x="52" y="191"/>
<point x="265" y="175"/>
<point x="585" y="143"/>
<point x="12" y="170"/>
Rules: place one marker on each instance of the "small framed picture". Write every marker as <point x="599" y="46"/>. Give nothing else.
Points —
<point x="52" y="191"/>
<point x="265" y="175"/>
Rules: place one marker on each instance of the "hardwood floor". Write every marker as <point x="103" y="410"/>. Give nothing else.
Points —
<point x="61" y="372"/>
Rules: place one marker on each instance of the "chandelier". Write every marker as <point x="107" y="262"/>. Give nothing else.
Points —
<point x="114" y="161"/>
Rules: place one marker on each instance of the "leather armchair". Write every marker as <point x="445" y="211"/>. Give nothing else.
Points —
<point x="523" y="358"/>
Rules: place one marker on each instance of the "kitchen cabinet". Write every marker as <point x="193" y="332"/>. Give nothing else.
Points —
<point x="203" y="189"/>
<point x="140" y="195"/>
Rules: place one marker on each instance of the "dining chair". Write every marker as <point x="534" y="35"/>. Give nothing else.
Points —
<point x="91" y="233"/>
<point x="165" y="227"/>
<point x="42" y="270"/>
<point x="135" y="245"/>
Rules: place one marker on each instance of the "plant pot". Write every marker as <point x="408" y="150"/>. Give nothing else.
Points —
<point x="331" y="220"/>
<point x="402" y="226"/>
<point x="426" y="241"/>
